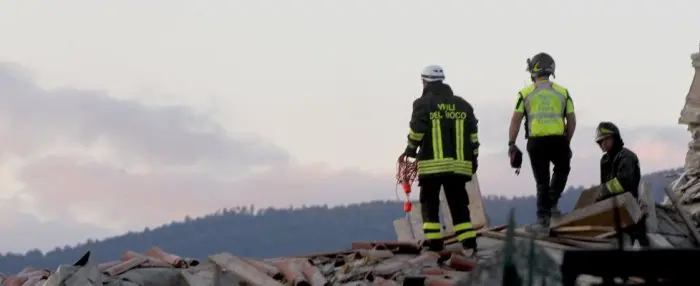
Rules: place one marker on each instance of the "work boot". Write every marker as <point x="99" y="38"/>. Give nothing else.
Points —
<point x="433" y="245"/>
<point x="435" y="248"/>
<point x="541" y="227"/>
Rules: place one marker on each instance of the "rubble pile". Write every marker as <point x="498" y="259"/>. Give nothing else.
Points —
<point x="589" y="226"/>
<point x="688" y="188"/>
<point x="366" y="263"/>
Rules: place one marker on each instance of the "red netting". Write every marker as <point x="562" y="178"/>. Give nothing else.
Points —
<point x="406" y="174"/>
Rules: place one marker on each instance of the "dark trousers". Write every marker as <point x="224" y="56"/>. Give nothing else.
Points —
<point x="542" y="151"/>
<point x="458" y="202"/>
<point x="638" y="232"/>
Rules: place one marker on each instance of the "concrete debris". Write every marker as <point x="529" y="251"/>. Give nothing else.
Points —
<point x="382" y="262"/>
<point x="687" y="187"/>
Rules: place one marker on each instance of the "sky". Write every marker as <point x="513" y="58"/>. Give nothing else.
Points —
<point x="117" y="115"/>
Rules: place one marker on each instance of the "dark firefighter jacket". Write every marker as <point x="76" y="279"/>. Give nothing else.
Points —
<point x="444" y="126"/>
<point x="619" y="172"/>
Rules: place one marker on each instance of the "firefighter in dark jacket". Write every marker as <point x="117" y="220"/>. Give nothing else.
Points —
<point x="444" y="140"/>
<point x="619" y="166"/>
<point x="619" y="173"/>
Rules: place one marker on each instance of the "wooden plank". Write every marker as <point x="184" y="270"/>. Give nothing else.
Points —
<point x="564" y="241"/>
<point x="242" y="269"/>
<point x="580" y="244"/>
<point x="416" y="221"/>
<point x="403" y="230"/>
<point x="584" y="238"/>
<point x="583" y="230"/>
<point x="500" y="235"/>
<point x="587" y="197"/>
<point x="476" y="204"/>
<point x="476" y="207"/>
<point x="607" y="234"/>
<point x="648" y="207"/>
<point x="601" y="213"/>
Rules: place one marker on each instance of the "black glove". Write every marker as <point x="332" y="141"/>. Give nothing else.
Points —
<point x="516" y="157"/>
<point x="603" y="193"/>
<point x="512" y="148"/>
<point x="410" y="151"/>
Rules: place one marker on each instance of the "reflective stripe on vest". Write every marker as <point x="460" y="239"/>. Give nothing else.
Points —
<point x="545" y="106"/>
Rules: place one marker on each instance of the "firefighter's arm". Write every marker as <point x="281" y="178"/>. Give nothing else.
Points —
<point x="419" y="123"/>
<point x="623" y="181"/>
<point x="570" y="117"/>
<point x="515" y="120"/>
<point x="472" y="127"/>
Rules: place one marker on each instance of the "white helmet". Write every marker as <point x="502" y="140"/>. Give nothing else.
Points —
<point x="433" y="73"/>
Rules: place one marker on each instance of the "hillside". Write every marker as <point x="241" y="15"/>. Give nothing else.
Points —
<point x="277" y="232"/>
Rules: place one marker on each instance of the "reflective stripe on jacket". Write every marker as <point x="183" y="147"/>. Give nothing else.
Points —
<point x="545" y="105"/>
<point x="620" y="172"/>
<point x="445" y="128"/>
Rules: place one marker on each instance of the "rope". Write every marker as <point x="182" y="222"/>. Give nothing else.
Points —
<point x="406" y="173"/>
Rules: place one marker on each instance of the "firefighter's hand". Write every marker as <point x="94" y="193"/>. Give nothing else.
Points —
<point x="603" y="193"/>
<point x="410" y="152"/>
<point x="512" y="148"/>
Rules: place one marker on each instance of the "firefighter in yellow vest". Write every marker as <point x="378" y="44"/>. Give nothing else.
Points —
<point x="549" y="126"/>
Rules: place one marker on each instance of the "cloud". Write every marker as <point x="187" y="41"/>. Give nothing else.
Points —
<point x="33" y="118"/>
<point x="112" y="197"/>
<point x="80" y="159"/>
<point x="80" y="164"/>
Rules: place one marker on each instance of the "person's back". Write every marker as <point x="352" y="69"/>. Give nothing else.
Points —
<point x="544" y="105"/>
<point x="449" y="143"/>
<point x="443" y="138"/>
<point x="550" y="122"/>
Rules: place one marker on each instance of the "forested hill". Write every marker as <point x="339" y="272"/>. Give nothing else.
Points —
<point x="277" y="232"/>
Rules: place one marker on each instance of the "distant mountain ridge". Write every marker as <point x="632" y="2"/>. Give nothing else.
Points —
<point x="279" y="232"/>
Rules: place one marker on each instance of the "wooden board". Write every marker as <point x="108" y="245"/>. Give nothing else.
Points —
<point x="648" y="206"/>
<point x="587" y="197"/>
<point x="476" y="210"/>
<point x="476" y="207"/>
<point x="601" y="213"/>
<point x="584" y="230"/>
<point x="403" y="230"/>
